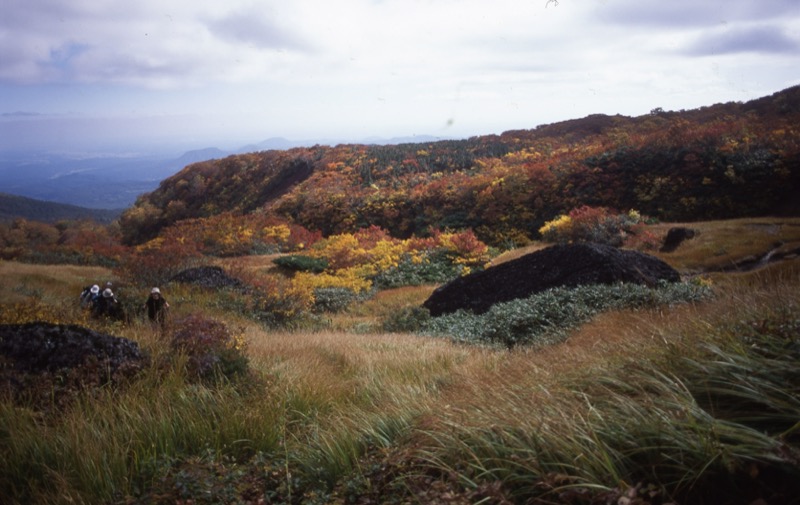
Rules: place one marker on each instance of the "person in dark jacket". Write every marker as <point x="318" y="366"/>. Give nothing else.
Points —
<point x="108" y="306"/>
<point x="89" y="296"/>
<point x="156" y="306"/>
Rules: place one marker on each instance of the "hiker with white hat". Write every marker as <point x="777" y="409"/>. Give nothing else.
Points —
<point x="89" y="296"/>
<point x="156" y="306"/>
<point x="108" y="306"/>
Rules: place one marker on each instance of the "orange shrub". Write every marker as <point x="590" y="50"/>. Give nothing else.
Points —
<point x="276" y="301"/>
<point x="594" y="224"/>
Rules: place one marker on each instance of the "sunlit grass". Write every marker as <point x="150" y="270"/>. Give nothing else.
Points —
<point x="518" y="252"/>
<point x="718" y="244"/>
<point x="367" y="371"/>
<point x="721" y="243"/>
<point x="369" y="315"/>
<point x="51" y="283"/>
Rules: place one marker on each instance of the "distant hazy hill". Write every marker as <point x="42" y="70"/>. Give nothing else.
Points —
<point x="12" y="207"/>
<point x="189" y="157"/>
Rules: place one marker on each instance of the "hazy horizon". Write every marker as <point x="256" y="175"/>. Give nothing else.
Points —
<point x="193" y="74"/>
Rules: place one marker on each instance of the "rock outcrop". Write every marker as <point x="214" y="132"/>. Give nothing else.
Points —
<point x="39" y="347"/>
<point x="207" y="277"/>
<point x="45" y="364"/>
<point x="675" y="237"/>
<point x="560" y="265"/>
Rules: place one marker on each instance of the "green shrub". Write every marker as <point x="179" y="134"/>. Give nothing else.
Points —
<point x="436" y="268"/>
<point x="333" y="299"/>
<point x="545" y="317"/>
<point x="407" y="320"/>
<point x="300" y="263"/>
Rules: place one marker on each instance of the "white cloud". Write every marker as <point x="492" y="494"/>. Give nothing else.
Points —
<point x="392" y="66"/>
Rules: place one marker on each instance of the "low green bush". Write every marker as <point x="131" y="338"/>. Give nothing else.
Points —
<point x="545" y="317"/>
<point x="407" y="320"/>
<point x="333" y="299"/>
<point x="436" y="268"/>
<point x="301" y="263"/>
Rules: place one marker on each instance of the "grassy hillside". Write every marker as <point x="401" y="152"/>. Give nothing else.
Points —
<point x="691" y="403"/>
<point x="12" y="207"/>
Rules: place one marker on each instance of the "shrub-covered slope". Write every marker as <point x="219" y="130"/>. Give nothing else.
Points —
<point x="722" y="161"/>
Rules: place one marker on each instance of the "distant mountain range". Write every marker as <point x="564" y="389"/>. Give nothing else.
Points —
<point x="13" y="207"/>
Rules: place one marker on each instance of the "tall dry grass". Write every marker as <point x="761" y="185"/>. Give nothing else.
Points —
<point x="623" y="390"/>
<point x="369" y="315"/>
<point x="51" y="283"/>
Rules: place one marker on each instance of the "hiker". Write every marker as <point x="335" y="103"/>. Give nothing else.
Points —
<point x="108" y="306"/>
<point x="89" y="296"/>
<point x="156" y="306"/>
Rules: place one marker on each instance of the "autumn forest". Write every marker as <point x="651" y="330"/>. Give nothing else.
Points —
<point x="723" y="161"/>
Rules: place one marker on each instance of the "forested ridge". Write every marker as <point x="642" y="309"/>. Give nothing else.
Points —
<point x="13" y="206"/>
<point x="722" y="161"/>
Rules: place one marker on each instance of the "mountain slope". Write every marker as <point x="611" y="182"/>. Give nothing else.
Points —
<point x="722" y="161"/>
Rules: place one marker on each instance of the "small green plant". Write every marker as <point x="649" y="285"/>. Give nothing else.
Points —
<point x="333" y="299"/>
<point x="407" y="320"/>
<point x="301" y="263"/>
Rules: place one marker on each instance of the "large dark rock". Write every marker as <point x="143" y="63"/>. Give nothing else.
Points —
<point x="45" y="366"/>
<point x="45" y="347"/>
<point x="207" y="277"/>
<point x="560" y="265"/>
<point x="675" y="237"/>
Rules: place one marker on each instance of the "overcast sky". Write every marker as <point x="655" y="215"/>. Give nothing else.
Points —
<point x="91" y="73"/>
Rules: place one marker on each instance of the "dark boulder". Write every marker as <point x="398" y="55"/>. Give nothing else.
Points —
<point x="44" y="366"/>
<point x="207" y="277"/>
<point x="45" y="347"/>
<point x="675" y="237"/>
<point x="560" y="265"/>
